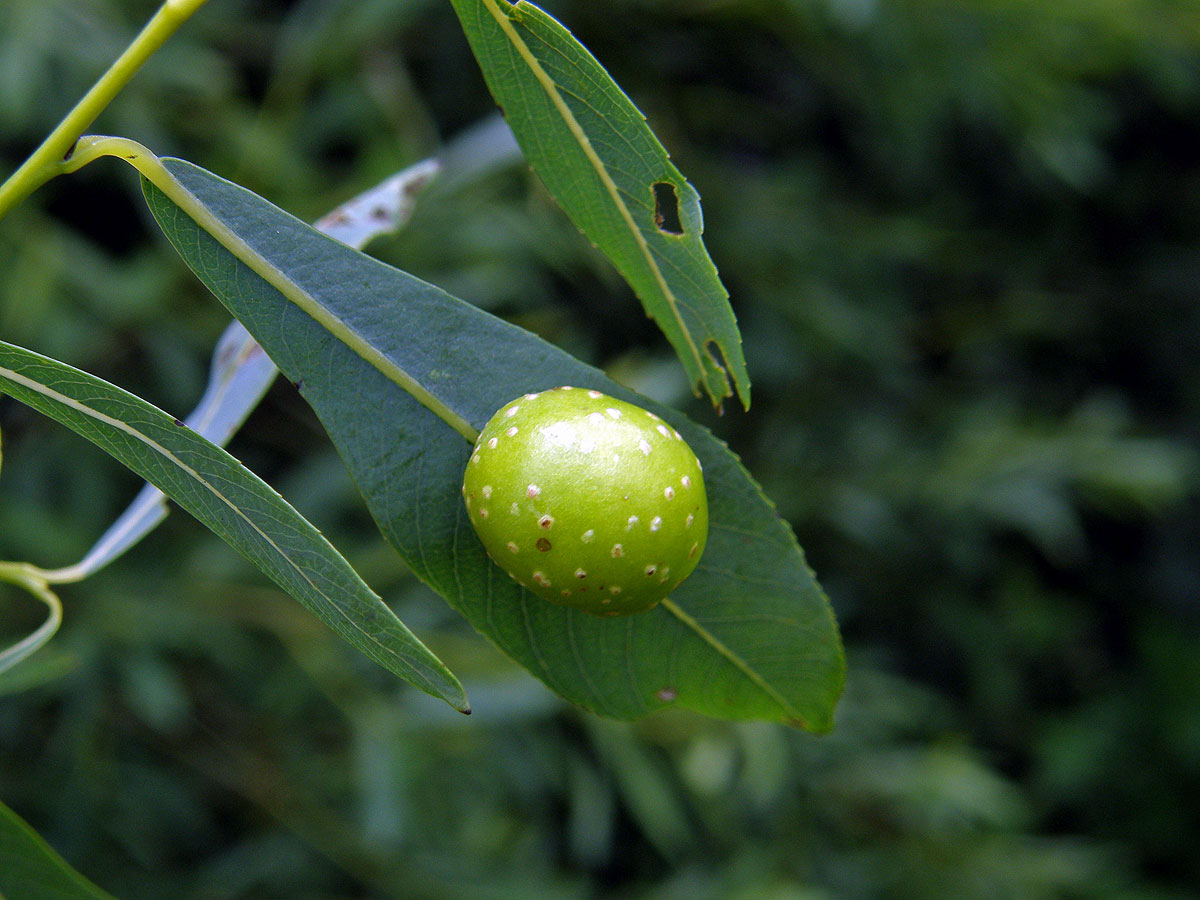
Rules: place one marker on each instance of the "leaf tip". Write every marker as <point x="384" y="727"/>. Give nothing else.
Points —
<point x="455" y="696"/>
<point x="725" y="376"/>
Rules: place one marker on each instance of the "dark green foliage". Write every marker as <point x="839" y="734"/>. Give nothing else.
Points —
<point x="961" y="239"/>
<point x="708" y="651"/>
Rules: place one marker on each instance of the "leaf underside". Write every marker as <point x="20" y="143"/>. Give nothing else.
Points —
<point x="593" y="149"/>
<point x="749" y="635"/>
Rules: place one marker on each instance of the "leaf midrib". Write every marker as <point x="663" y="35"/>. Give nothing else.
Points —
<point x="153" y="170"/>
<point x="734" y="659"/>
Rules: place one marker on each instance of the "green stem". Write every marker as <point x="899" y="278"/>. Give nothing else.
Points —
<point x="31" y="579"/>
<point x="48" y="160"/>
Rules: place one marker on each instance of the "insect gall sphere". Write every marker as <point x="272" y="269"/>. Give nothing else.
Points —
<point x="587" y="501"/>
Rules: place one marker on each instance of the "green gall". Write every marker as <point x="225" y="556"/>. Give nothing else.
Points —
<point x="587" y="501"/>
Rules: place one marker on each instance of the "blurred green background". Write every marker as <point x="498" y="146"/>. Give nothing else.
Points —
<point x="962" y="243"/>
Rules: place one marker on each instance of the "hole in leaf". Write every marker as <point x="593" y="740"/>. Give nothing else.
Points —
<point x="666" y="208"/>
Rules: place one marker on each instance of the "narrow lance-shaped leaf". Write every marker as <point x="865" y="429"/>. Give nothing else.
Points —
<point x="239" y="377"/>
<point x="403" y="375"/>
<point x="603" y="164"/>
<point x="30" y="869"/>
<point x="232" y="501"/>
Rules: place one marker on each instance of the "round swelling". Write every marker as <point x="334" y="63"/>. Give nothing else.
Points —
<point x="587" y="501"/>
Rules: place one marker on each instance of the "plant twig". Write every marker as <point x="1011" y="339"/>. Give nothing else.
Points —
<point x="48" y="160"/>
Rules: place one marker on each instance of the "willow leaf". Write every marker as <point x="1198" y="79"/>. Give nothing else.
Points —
<point x="30" y="869"/>
<point x="594" y="151"/>
<point x="403" y="375"/>
<point x="233" y="502"/>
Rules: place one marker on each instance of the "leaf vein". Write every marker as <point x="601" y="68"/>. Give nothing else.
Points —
<point x="733" y="658"/>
